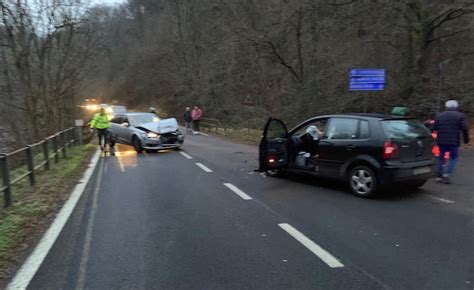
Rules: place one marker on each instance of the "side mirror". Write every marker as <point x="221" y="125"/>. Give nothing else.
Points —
<point x="125" y="125"/>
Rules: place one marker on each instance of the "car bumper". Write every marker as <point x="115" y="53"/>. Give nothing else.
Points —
<point x="407" y="172"/>
<point x="158" y="144"/>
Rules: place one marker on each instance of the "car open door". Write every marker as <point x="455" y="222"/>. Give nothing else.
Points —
<point x="273" y="151"/>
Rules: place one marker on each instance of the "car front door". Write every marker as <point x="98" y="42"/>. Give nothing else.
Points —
<point x="338" y="145"/>
<point x="273" y="150"/>
<point x="122" y="129"/>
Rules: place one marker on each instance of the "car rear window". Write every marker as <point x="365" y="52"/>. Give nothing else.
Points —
<point x="404" y="129"/>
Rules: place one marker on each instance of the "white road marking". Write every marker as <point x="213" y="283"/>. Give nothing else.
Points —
<point x="200" y="133"/>
<point x="237" y="191"/>
<point x="186" y="155"/>
<point x="324" y="255"/>
<point x="30" y="267"/>
<point x="203" y="167"/>
<point x="81" y="280"/>
<point x="439" y="199"/>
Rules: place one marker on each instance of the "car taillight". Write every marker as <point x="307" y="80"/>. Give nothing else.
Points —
<point x="271" y="160"/>
<point x="390" y="150"/>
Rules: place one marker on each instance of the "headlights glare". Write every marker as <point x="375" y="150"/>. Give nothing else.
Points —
<point x="152" y="135"/>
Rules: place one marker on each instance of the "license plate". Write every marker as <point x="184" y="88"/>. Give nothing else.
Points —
<point x="421" y="170"/>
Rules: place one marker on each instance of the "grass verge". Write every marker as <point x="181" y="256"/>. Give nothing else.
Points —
<point x="33" y="207"/>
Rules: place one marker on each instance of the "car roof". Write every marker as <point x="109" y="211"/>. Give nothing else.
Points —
<point x="367" y="115"/>
<point x="135" y="113"/>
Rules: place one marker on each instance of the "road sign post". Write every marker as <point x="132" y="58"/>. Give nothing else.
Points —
<point x="366" y="80"/>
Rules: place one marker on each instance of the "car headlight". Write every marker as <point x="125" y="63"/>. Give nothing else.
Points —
<point x="152" y="135"/>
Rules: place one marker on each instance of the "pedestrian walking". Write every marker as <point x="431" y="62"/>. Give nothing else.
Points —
<point x="449" y="125"/>
<point x="101" y="123"/>
<point x="188" y="119"/>
<point x="196" y="114"/>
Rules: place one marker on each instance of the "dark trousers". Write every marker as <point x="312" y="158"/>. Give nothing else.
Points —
<point x="196" y="125"/>
<point x="453" y="157"/>
<point x="102" y="134"/>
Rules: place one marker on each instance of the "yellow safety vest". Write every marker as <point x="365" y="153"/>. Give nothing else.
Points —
<point x="100" y="121"/>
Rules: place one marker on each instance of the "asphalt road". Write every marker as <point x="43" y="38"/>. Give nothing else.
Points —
<point x="160" y="221"/>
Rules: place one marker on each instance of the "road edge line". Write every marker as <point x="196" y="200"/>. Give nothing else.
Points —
<point x="28" y="270"/>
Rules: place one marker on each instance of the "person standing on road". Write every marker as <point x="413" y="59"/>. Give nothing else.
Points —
<point x="100" y="122"/>
<point x="188" y="119"/>
<point x="449" y="124"/>
<point x="196" y="114"/>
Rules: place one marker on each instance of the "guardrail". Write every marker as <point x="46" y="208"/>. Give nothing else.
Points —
<point x="215" y="124"/>
<point x="51" y="148"/>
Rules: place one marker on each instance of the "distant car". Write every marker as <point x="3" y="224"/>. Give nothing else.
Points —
<point x="111" y="111"/>
<point x="364" y="150"/>
<point x="145" y="131"/>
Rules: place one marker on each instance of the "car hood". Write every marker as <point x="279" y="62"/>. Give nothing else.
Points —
<point x="162" y="127"/>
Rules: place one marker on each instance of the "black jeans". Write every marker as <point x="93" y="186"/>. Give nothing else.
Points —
<point x="196" y="125"/>
<point x="102" y="134"/>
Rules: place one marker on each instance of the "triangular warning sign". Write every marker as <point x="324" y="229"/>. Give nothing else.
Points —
<point x="248" y="101"/>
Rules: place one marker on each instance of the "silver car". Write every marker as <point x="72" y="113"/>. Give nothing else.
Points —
<point x="145" y="131"/>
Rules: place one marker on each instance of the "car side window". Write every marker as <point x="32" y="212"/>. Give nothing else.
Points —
<point x="117" y="120"/>
<point x="275" y="130"/>
<point x="320" y="125"/>
<point x="364" y="130"/>
<point x="341" y="129"/>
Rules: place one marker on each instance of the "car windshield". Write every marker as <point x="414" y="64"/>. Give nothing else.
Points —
<point x="404" y="129"/>
<point x="137" y="120"/>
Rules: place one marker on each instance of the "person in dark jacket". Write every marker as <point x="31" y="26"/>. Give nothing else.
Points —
<point x="449" y="125"/>
<point x="188" y="119"/>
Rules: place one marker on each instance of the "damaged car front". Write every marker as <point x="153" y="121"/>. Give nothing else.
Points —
<point x="163" y="134"/>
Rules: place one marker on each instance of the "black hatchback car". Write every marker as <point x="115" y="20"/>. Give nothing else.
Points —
<point x="365" y="150"/>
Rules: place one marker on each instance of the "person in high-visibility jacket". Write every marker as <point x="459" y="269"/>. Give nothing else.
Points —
<point x="101" y="123"/>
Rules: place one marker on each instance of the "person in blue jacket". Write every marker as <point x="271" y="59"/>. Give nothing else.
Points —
<point x="449" y="125"/>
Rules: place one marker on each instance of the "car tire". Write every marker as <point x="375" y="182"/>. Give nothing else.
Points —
<point x="275" y="172"/>
<point x="137" y="144"/>
<point x="362" y="181"/>
<point x="415" y="184"/>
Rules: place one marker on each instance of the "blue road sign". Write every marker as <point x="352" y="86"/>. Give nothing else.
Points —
<point x="367" y="80"/>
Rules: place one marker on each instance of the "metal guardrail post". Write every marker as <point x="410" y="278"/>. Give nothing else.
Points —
<point x="64" y="144"/>
<point x="56" y="148"/>
<point x="30" y="164"/>
<point x="79" y="135"/>
<point x="46" y="153"/>
<point x="7" y="192"/>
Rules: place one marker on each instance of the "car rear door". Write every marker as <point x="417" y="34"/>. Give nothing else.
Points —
<point x="273" y="150"/>
<point x="412" y="138"/>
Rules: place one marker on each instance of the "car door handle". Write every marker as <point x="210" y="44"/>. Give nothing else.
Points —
<point x="350" y="147"/>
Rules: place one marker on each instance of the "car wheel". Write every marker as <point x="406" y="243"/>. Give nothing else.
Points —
<point x="416" y="183"/>
<point x="363" y="181"/>
<point x="137" y="144"/>
<point x="275" y="172"/>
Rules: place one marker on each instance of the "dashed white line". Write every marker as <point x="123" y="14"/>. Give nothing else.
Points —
<point x="203" y="167"/>
<point x="324" y="255"/>
<point x="237" y="191"/>
<point x="439" y="199"/>
<point x="186" y="155"/>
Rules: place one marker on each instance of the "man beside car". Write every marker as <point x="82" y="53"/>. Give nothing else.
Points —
<point x="449" y="125"/>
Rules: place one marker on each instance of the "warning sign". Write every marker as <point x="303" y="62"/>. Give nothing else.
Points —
<point x="248" y="101"/>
